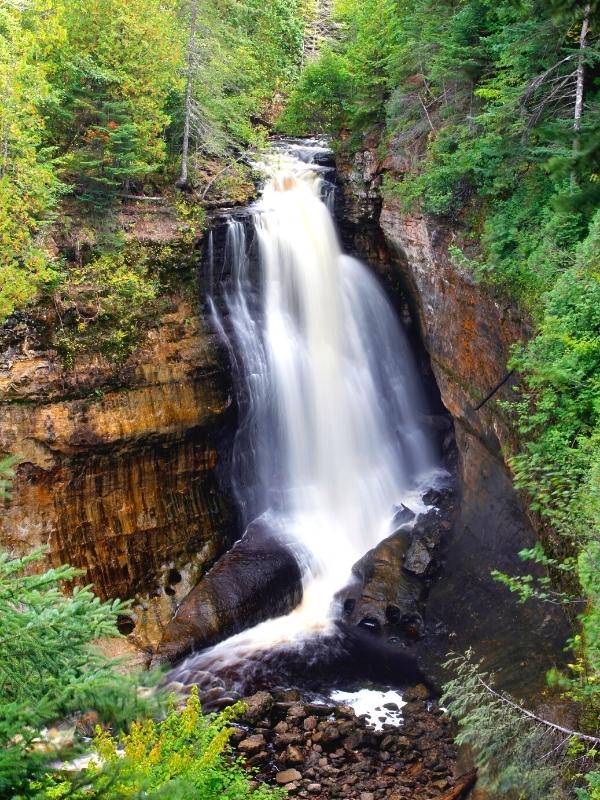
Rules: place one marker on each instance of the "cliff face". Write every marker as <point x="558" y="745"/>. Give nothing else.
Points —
<point x="468" y="331"/>
<point x="467" y="328"/>
<point x="119" y="469"/>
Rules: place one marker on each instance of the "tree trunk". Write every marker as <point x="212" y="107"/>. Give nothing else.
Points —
<point x="580" y="75"/>
<point x="185" y="154"/>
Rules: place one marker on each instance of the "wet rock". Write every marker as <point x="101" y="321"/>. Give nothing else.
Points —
<point x="342" y="758"/>
<point x="212" y="696"/>
<point x="385" y="586"/>
<point x="257" y="705"/>
<point x="310" y="723"/>
<point x="252" y="744"/>
<point x="257" y="758"/>
<point x="223" y="702"/>
<point x="433" y="497"/>
<point x="288" y="776"/>
<point x="319" y="709"/>
<point x="257" y="579"/>
<point x="344" y="712"/>
<point x="418" y="558"/>
<point x="418" y="692"/>
<point x="287" y="695"/>
<point x="354" y="740"/>
<point x="297" y="711"/>
<point x="294" y="754"/>
<point x="282" y="740"/>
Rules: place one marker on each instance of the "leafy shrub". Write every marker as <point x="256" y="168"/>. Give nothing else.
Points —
<point x="106" y="304"/>
<point x="186" y="755"/>
<point x="320" y="100"/>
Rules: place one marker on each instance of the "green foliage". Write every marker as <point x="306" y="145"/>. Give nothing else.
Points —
<point x="559" y="421"/>
<point x="48" y="666"/>
<point x="517" y="757"/>
<point x="7" y="474"/>
<point x="92" y="107"/>
<point x="28" y="183"/>
<point x="185" y="755"/>
<point x="240" y="57"/>
<point x="348" y="85"/>
<point x="592" y="791"/>
<point x="107" y="159"/>
<point x="110" y="80"/>
<point x="480" y="96"/>
<point x="105" y="305"/>
<point x="319" y="103"/>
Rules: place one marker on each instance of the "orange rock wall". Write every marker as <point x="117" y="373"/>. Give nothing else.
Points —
<point x="119" y="466"/>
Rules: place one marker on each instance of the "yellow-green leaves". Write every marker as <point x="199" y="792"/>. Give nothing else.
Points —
<point x="27" y="182"/>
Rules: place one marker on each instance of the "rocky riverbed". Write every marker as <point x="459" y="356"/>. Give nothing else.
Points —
<point x="318" y="749"/>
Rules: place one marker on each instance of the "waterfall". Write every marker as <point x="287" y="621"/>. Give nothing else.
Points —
<point x="329" y="438"/>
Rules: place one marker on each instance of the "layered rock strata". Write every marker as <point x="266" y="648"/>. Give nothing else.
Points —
<point x="119" y="466"/>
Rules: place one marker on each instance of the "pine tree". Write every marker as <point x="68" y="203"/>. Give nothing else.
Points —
<point x="49" y="668"/>
<point x="518" y="754"/>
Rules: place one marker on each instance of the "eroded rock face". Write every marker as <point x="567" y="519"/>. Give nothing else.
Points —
<point x="388" y="597"/>
<point x="467" y="327"/>
<point x="468" y="330"/>
<point x="119" y="470"/>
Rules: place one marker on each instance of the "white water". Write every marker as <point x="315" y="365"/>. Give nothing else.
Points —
<point x="372" y="704"/>
<point x="329" y="438"/>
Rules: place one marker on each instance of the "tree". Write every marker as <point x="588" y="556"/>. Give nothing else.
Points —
<point x="518" y="753"/>
<point x="48" y="665"/>
<point x="111" y="78"/>
<point x="191" y="66"/>
<point x="28" y="182"/>
<point x="238" y="56"/>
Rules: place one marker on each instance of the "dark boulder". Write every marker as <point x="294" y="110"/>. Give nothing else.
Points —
<point x="383" y="596"/>
<point x="257" y="579"/>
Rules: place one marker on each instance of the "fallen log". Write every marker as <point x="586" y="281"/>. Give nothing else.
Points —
<point x="463" y="784"/>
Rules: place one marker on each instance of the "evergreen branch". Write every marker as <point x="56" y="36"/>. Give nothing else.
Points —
<point x="531" y="715"/>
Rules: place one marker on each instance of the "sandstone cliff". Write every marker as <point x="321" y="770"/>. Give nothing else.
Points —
<point x="468" y="331"/>
<point x="119" y="465"/>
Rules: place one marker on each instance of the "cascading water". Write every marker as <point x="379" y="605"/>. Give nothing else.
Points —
<point x="329" y="437"/>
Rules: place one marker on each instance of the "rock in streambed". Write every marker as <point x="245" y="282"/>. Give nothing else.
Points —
<point x="323" y="750"/>
<point x="257" y="579"/>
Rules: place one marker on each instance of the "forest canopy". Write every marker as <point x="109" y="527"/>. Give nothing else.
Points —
<point x="97" y="97"/>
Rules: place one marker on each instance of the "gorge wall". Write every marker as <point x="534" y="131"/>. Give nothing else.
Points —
<point x="120" y="465"/>
<point x="468" y="331"/>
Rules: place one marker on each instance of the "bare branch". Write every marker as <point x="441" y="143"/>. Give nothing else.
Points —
<point x="531" y="715"/>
